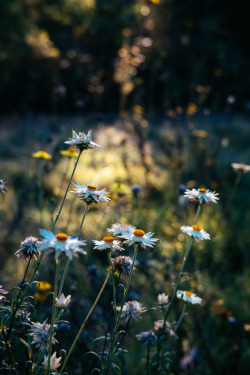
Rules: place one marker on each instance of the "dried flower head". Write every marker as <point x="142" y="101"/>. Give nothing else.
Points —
<point x="117" y="229"/>
<point x="82" y="141"/>
<point x="90" y="194"/>
<point x="40" y="334"/>
<point x="201" y="195"/>
<point x="158" y="325"/>
<point x="54" y="362"/>
<point x="147" y="338"/>
<point x="196" y="231"/>
<point x="138" y="237"/>
<point x="42" y="155"/>
<point x="29" y="248"/>
<point x="63" y="302"/>
<point x="70" y="152"/>
<point x="61" y="243"/>
<point x="122" y="265"/>
<point x="2" y="294"/>
<point x="187" y="296"/>
<point x="132" y="309"/>
<point x="108" y="243"/>
<point x="162" y="299"/>
<point x="3" y="187"/>
<point x="240" y="167"/>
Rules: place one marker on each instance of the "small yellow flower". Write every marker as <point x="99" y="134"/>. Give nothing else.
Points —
<point x="70" y="152"/>
<point x="44" y="285"/>
<point x="42" y="155"/>
<point x="39" y="297"/>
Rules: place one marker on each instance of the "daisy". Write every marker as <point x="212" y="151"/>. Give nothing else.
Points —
<point x="61" y="243"/>
<point x="147" y="338"/>
<point x="108" y="243"/>
<point x="162" y="299"/>
<point x="90" y="194"/>
<point x="40" y="333"/>
<point x="122" y="265"/>
<point x="202" y="195"/>
<point x="187" y="296"/>
<point x="29" y="248"/>
<point x="138" y="237"/>
<point x="240" y="167"/>
<point x="196" y="231"/>
<point x="70" y="152"/>
<point x="131" y="309"/>
<point x="3" y="186"/>
<point x="63" y="302"/>
<point x="2" y="292"/>
<point x="54" y="362"/>
<point x="42" y="155"/>
<point x="117" y="229"/>
<point x="82" y="141"/>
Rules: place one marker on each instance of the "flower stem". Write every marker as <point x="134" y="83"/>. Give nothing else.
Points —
<point x="120" y="312"/>
<point x="236" y="183"/>
<point x="180" y="318"/>
<point x="84" y="323"/>
<point x="178" y="280"/>
<point x="83" y="218"/>
<point x="53" y="313"/>
<point x="66" y="192"/>
<point x="68" y="261"/>
<point x="113" y="282"/>
<point x="148" y="356"/>
<point x="197" y="214"/>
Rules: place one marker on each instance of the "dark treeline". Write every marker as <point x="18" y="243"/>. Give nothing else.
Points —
<point x="109" y="55"/>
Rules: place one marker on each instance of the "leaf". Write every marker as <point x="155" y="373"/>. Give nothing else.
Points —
<point x="119" y="352"/>
<point x="49" y="294"/>
<point x="92" y="353"/>
<point x="95" y="369"/>
<point x="27" y="346"/>
<point x="115" y="369"/>
<point x="96" y="340"/>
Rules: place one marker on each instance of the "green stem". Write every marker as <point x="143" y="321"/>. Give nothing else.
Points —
<point x="40" y="357"/>
<point x="136" y="247"/>
<point x="68" y="261"/>
<point x="236" y="183"/>
<point x="197" y="214"/>
<point x="84" y="323"/>
<point x="178" y="280"/>
<point x="180" y="318"/>
<point x="83" y="218"/>
<point x="53" y="313"/>
<point x="148" y="356"/>
<point x="113" y="282"/>
<point x="66" y="192"/>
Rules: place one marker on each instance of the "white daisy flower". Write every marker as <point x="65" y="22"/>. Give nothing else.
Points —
<point x="131" y="309"/>
<point x="61" y="243"/>
<point x="90" y="194"/>
<point x="187" y="296"/>
<point x="196" y="231"/>
<point x="108" y="243"/>
<point x="240" y="167"/>
<point x="82" y="141"/>
<point x="54" y="362"/>
<point x="138" y="237"/>
<point x="202" y="195"/>
<point x="40" y="334"/>
<point x="117" y="229"/>
<point x="63" y="302"/>
<point x="162" y="299"/>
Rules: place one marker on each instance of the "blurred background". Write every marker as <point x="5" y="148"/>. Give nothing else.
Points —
<point x="164" y="86"/>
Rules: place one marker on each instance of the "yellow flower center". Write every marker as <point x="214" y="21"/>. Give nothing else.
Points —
<point x="139" y="233"/>
<point x="108" y="239"/>
<point x="62" y="237"/>
<point x="188" y="294"/>
<point x="197" y="227"/>
<point x="91" y="187"/>
<point x="71" y="149"/>
<point x="202" y="191"/>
